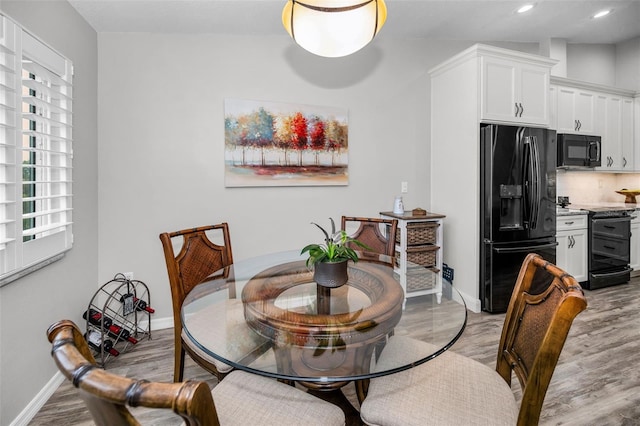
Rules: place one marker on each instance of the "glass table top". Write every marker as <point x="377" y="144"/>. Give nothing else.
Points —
<point x="267" y="315"/>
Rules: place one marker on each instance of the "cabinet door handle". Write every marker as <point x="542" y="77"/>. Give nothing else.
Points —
<point x="579" y="125"/>
<point x="624" y="162"/>
<point x="575" y="124"/>
<point x="569" y="223"/>
<point x="521" y="109"/>
<point x="517" y="109"/>
<point x="573" y="242"/>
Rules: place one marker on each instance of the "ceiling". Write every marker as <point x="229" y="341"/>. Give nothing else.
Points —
<point x="476" y="20"/>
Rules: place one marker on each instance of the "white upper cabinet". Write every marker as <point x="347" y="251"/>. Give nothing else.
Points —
<point x="615" y="126"/>
<point x="576" y="110"/>
<point x="627" y="136"/>
<point x="592" y="109"/>
<point x="514" y="91"/>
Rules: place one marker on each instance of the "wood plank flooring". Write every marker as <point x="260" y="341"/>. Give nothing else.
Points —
<point x="596" y="382"/>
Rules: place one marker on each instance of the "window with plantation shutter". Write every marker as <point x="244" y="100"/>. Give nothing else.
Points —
<point x="35" y="153"/>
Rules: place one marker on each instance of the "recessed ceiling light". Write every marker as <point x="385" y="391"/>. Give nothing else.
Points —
<point x="525" y="8"/>
<point x="602" y="13"/>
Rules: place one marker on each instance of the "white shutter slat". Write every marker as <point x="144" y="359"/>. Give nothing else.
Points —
<point x="36" y="153"/>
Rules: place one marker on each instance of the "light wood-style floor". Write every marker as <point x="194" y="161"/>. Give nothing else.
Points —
<point x="596" y="382"/>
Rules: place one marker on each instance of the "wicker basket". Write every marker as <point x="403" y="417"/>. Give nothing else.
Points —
<point x="420" y="255"/>
<point x="418" y="281"/>
<point x="419" y="233"/>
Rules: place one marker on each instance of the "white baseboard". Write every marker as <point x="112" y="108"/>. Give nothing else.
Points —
<point x="40" y="399"/>
<point x="161" y="323"/>
<point x="473" y="304"/>
<point x="52" y="385"/>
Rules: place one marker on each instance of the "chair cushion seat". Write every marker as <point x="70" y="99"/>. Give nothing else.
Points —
<point x="212" y="329"/>
<point x="248" y="399"/>
<point x="448" y="390"/>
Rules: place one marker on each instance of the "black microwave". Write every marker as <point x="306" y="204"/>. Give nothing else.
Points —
<point x="579" y="150"/>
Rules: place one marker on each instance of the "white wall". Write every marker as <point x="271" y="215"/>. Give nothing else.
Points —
<point x="595" y="63"/>
<point x="628" y="64"/>
<point x="162" y="140"/>
<point x="61" y="290"/>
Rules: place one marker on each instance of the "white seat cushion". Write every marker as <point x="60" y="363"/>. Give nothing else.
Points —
<point x="248" y="399"/>
<point x="213" y="333"/>
<point x="448" y="390"/>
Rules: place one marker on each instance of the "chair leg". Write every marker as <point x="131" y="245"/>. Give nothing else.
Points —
<point x="362" y="388"/>
<point x="178" y="365"/>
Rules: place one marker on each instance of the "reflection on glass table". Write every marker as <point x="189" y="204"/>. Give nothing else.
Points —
<point x="265" y="315"/>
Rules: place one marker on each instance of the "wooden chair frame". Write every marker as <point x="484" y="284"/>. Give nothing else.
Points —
<point x="107" y="395"/>
<point x="369" y="233"/>
<point x="526" y="348"/>
<point x="198" y="258"/>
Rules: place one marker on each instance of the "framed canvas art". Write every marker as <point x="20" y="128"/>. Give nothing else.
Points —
<point x="281" y="144"/>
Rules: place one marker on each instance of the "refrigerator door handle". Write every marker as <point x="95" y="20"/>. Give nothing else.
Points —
<point x="535" y="182"/>
<point x="531" y="180"/>
<point x="526" y="177"/>
<point x="523" y="248"/>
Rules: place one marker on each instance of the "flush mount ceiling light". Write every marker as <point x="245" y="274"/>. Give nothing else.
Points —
<point x="602" y="13"/>
<point x="333" y="28"/>
<point x="525" y="8"/>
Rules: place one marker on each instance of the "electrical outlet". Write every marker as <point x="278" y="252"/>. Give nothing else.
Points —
<point x="128" y="275"/>
<point x="404" y="187"/>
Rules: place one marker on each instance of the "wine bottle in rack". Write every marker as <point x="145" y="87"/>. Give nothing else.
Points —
<point x="97" y="342"/>
<point x="96" y="318"/>
<point x="141" y="305"/>
<point x="121" y="333"/>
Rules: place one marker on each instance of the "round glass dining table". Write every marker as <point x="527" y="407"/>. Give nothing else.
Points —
<point x="267" y="316"/>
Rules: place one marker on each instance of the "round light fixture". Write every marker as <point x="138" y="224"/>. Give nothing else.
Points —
<point x="525" y="8"/>
<point x="333" y="28"/>
<point x="602" y="13"/>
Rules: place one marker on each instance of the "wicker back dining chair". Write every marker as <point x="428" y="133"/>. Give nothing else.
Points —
<point x="241" y="399"/>
<point x="198" y="258"/>
<point x="378" y="234"/>
<point x="453" y="389"/>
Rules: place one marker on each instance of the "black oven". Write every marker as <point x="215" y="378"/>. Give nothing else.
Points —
<point x="609" y="248"/>
<point x="579" y="151"/>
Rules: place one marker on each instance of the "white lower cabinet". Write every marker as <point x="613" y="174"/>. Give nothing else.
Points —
<point x="635" y="243"/>
<point x="571" y="253"/>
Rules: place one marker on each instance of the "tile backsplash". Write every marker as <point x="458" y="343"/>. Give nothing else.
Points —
<point x="586" y="187"/>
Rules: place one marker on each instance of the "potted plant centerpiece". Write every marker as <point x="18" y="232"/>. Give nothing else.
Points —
<point x="329" y="260"/>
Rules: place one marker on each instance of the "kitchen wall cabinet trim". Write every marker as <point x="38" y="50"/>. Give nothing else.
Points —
<point x="593" y="87"/>
<point x="571" y="252"/>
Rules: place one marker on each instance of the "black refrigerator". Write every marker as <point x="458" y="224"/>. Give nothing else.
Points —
<point x="518" y="209"/>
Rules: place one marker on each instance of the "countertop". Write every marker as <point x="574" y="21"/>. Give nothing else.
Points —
<point x="573" y="209"/>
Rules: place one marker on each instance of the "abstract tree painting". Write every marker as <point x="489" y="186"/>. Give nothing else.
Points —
<point x="280" y="144"/>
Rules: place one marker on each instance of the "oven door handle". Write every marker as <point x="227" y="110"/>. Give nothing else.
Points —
<point x="523" y="248"/>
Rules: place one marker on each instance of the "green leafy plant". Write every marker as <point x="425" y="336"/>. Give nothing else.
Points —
<point x="335" y="247"/>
